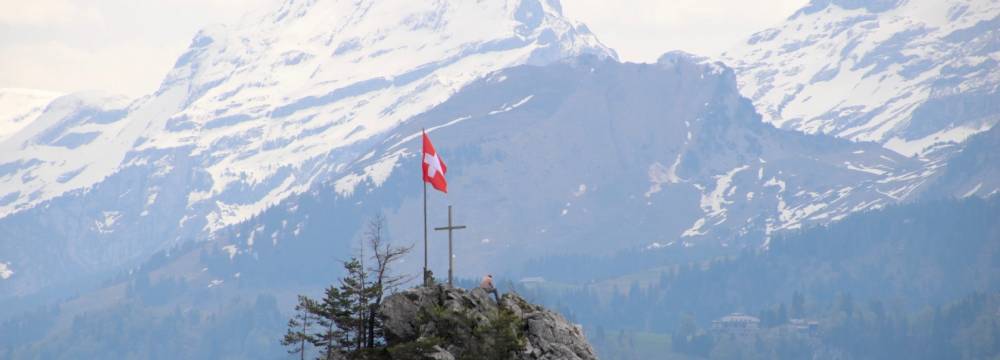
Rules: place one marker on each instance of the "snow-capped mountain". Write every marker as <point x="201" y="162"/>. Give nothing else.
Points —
<point x="43" y="159"/>
<point x="588" y="156"/>
<point x="911" y="74"/>
<point x="18" y="107"/>
<point x="267" y="96"/>
<point x="272" y="140"/>
<point x="250" y="115"/>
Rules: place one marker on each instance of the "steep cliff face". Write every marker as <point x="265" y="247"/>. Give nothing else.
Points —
<point x="449" y="323"/>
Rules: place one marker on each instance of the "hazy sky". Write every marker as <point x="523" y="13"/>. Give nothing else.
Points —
<point x="127" y="46"/>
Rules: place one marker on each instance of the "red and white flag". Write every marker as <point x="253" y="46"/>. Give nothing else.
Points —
<point x="434" y="167"/>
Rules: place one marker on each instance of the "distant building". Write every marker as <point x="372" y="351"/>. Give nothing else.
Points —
<point x="736" y="324"/>
<point x="532" y="280"/>
<point x="803" y="326"/>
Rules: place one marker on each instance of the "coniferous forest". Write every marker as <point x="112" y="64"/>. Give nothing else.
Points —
<point x="910" y="281"/>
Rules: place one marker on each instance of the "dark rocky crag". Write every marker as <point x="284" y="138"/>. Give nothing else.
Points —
<point x="452" y="323"/>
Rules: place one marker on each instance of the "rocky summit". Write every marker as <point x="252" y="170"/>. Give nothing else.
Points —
<point x="441" y="322"/>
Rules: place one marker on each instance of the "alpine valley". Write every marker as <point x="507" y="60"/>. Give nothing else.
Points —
<point x="252" y="169"/>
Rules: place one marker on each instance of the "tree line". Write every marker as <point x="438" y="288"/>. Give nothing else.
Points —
<point x="346" y="321"/>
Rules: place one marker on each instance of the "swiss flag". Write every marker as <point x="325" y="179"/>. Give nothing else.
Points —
<point x="434" y="168"/>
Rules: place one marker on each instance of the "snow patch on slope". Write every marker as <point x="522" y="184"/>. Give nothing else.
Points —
<point x="713" y="203"/>
<point x="973" y="190"/>
<point x="660" y="175"/>
<point x="6" y="271"/>
<point x="695" y="229"/>
<point x="231" y="250"/>
<point x="107" y="223"/>
<point x="919" y="147"/>
<point x="506" y="108"/>
<point x="376" y="174"/>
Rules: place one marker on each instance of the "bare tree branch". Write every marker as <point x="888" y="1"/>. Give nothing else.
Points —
<point x="384" y="254"/>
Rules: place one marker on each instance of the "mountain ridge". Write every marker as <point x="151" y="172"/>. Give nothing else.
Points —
<point x="911" y="75"/>
<point x="251" y="114"/>
<point x="257" y="137"/>
<point x="477" y="138"/>
<point x="20" y="106"/>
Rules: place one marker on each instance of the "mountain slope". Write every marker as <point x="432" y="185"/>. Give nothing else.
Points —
<point x="18" y="107"/>
<point x="902" y="259"/>
<point x="248" y="116"/>
<point x="52" y="144"/>
<point x="592" y="156"/>
<point x="913" y="75"/>
<point x="971" y="172"/>
<point x="311" y="77"/>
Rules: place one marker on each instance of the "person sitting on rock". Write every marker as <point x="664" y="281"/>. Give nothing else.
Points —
<point x="487" y="284"/>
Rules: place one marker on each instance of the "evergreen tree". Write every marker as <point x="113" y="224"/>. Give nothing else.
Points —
<point x="355" y="299"/>
<point x="341" y="317"/>
<point x="347" y="320"/>
<point x="300" y="327"/>
<point x="333" y="307"/>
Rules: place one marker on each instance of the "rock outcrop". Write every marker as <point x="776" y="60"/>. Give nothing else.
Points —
<point x="453" y="323"/>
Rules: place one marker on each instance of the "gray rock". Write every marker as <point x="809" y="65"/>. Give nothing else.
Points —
<point x="547" y="334"/>
<point x="441" y="354"/>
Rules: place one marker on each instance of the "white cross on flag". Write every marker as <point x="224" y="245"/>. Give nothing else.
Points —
<point x="434" y="167"/>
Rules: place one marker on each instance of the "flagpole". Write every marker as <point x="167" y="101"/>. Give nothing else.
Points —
<point x="425" y="221"/>
<point x="425" y="233"/>
<point x="451" y="257"/>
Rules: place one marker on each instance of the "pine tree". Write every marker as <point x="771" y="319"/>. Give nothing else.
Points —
<point x="337" y="324"/>
<point x="332" y="336"/>
<point x="300" y="327"/>
<point x="353" y="304"/>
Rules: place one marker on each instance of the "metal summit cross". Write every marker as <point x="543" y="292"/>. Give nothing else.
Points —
<point x="450" y="228"/>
